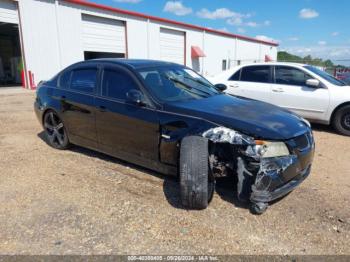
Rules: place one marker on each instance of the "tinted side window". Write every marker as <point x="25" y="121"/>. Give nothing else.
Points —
<point x="64" y="79"/>
<point x="290" y="76"/>
<point x="116" y="84"/>
<point x="235" y="76"/>
<point x="84" y="80"/>
<point x="260" y="74"/>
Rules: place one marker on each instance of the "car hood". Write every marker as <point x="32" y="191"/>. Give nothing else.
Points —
<point x="251" y="117"/>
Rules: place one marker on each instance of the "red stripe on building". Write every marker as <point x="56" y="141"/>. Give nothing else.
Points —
<point x="163" y="20"/>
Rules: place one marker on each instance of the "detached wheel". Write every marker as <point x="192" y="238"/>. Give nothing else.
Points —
<point x="196" y="185"/>
<point x="341" y="120"/>
<point x="55" y="131"/>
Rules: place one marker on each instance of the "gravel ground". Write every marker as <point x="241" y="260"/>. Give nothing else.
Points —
<point x="82" y="202"/>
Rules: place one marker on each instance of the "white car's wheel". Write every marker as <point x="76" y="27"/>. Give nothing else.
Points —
<point x="341" y="120"/>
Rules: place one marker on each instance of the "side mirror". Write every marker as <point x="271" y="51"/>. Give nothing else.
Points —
<point x="135" y="97"/>
<point x="313" y="83"/>
<point x="220" y="87"/>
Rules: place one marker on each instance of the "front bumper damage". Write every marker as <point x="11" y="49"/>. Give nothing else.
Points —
<point x="260" y="180"/>
<point x="274" y="178"/>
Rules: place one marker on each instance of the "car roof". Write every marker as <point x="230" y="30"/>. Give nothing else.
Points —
<point x="236" y="68"/>
<point x="133" y="63"/>
<point x="274" y="64"/>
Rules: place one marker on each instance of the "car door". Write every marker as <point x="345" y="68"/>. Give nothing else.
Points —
<point x="125" y="129"/>
<point x="252" y="82"/>
<point x="78" y="104"/>
<point x="291" y="92"/>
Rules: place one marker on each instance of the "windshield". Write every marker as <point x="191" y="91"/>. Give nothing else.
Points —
<point x="325" y="76"/>
<point x="176" y="83"/>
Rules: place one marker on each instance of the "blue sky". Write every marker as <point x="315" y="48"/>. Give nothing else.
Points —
<point x="320" y="28"/>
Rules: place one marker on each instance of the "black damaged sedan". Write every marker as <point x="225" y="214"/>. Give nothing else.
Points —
<point x="168" y="118"/>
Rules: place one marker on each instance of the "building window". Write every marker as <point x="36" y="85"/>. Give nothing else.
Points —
<point x="224" y="65"/>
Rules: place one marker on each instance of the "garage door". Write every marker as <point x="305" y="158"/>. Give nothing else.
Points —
<point x="103" y="35"/>
<point x="172" y="46"/>
<point x="8" y="12"/>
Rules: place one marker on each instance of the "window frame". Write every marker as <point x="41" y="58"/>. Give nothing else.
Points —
<point x="60" y="77"/>
<point x="150" y="103"/>
<point x="270" y="77"/>
<point x="290" y="67"/>
<point x="117" y="69"/>
<point x="239" y="75"/>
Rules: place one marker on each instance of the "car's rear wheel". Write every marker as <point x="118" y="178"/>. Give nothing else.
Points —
<point x="196" y="185"/>
<point x="341" y="120"/>
<point x="55" y="131"/>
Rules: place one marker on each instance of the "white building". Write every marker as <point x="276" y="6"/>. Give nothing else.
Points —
<point x="48" y="35"/>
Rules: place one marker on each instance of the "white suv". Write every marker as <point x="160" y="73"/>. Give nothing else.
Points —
<point x="303" y="89"/>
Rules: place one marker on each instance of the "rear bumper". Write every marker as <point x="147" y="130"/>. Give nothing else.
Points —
<point x="38" y="112"/>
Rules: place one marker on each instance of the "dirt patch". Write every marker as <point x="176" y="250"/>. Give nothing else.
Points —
<point x="82" y="202"/>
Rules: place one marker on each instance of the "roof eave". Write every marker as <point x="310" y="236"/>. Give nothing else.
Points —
<point x="163" y="20"/>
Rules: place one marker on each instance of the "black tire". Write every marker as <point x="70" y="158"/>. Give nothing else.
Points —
<point x="196" y="186"/>
<point x="55" y="131"/>
<point x="341" y="120"/>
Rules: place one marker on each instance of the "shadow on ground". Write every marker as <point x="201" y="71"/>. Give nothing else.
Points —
<point x="323" y="128"/>
<point x="326" y="129"/>
<point x="226" y="187"/>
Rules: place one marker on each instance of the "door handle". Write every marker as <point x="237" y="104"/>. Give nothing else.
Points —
<point x="102" y="108"/>
<point x="278" y="90"/>
<point x="234" y="86"/>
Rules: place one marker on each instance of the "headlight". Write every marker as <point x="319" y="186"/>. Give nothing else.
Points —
<point x="267" y="149"/>
<point x="255" y="148"/>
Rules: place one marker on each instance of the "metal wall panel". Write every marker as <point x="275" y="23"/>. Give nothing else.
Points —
<point x="217" y="49"/>
<point x="40" y="38"/>
<point x="248" y="52"/>
<point x="56" y="34"/>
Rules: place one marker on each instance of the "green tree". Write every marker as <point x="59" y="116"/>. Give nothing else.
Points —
<point x="284" y="56"/>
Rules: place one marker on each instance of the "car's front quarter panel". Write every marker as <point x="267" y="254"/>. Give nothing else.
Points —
<point x="339" y="95"/>
<point x="259" y="179"/>
<point x="173" y="128"/>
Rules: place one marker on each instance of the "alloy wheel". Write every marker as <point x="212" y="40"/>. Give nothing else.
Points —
<point x="54" y="129"/>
